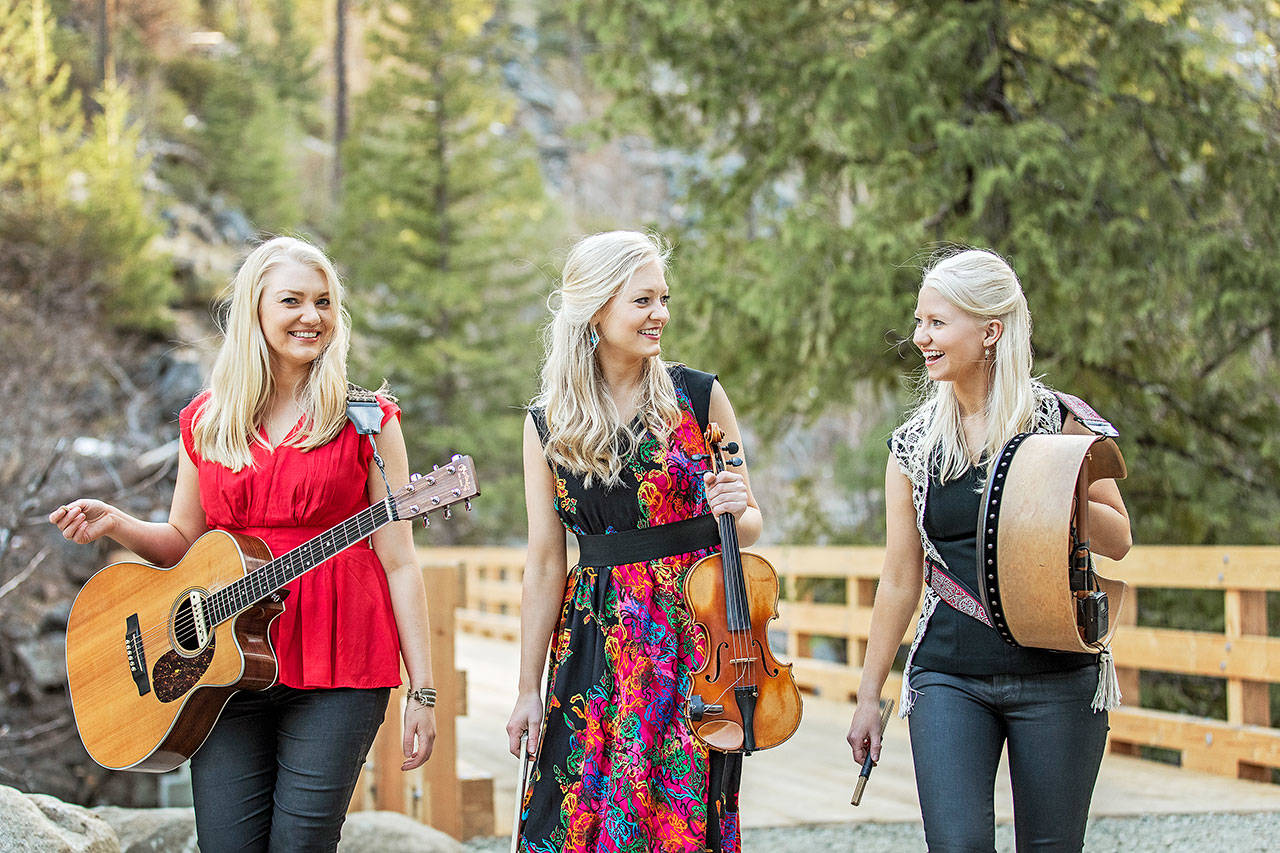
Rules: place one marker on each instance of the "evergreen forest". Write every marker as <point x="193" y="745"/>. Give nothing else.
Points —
<point x="805" y="159"/>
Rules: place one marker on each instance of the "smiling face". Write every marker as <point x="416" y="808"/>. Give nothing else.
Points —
<point x="951" y="339"/>
<point x="631" y="323"/>
<point x="295" y="313"/>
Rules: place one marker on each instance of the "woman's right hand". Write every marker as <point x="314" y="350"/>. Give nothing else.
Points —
<point x="525" y="717"/>
<point x="864" y="732"/>
<point x="84" y="520"/>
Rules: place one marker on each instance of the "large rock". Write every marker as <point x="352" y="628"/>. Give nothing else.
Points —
<point x="174" y="831"/>
<point x="38" y="823"/>
<point x="392" y="832"/>
<point x="152" y="830"/>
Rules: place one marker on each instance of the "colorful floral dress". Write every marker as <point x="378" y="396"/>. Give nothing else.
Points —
<point x="619" y="769"/>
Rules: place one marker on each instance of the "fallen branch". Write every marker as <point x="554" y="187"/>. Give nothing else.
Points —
<point x="13" y="582"/>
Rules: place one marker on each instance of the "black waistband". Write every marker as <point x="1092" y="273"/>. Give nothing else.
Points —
<point x="648" y="543"/>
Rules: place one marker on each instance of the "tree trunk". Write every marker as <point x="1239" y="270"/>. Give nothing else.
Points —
<point x="340" y="95"/>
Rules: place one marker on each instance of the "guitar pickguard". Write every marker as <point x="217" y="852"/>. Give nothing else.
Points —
<point x="174" y="675"/>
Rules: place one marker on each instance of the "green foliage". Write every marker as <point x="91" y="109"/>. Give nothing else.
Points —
<point x="1105" y="148"/>
<point x="73" y="215"/>
<point x="287" y="64"/>
<point x="245" y="138"/>
<point x="1182" y="609"/>
<point x="121" y="226"/>
<point x="440" y="194"/>
<point x="40" y="119"/>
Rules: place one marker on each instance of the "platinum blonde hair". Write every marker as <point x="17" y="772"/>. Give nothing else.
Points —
<point x="242" y="384"/>
<point x="585" y="431"/>
<point x="983" y="285"/>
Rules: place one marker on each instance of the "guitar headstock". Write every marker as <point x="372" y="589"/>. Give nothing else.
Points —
<point x="440" y="488"/>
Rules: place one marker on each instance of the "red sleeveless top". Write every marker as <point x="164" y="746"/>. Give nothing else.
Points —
<point x="338" y="628"/>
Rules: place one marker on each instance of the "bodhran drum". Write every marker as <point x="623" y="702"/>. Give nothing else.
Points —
<point x="1034" y="521"/>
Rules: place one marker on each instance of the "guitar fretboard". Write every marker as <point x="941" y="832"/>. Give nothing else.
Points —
<point x="255" y="586"/>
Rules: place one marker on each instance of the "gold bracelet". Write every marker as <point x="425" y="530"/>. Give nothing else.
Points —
<point x="424" y="696"/>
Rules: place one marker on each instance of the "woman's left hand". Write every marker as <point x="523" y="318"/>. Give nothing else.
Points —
<point x="726" y="492"/>
<point x="419" y="734"/>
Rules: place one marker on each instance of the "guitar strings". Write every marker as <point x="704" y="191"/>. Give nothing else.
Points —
<point x="297" y="558"/>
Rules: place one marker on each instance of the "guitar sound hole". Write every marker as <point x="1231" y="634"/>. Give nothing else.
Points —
<point x="186" y="634"/>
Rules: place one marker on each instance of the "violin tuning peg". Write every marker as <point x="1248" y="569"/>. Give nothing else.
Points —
<point x="735" y="461"/>
<point x="698" y="457"/>
<point x="731" y="447"/>
<point x="435" y="467"/>
<point x="413" y="478"/>
<point x="455" y="458"/>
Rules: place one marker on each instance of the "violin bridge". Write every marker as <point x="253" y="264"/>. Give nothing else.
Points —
<point x="744" y="660"/>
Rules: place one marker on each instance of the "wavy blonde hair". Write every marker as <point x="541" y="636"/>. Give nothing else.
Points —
<point x="983" y="285"/>
<point x="586" y="435"/>
<point x="242" y="384"/>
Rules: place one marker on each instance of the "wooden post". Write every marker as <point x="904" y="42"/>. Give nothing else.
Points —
<point x="1129" y="677"/>
<point x="443" y="806"/>
<point x="1248" y="702"/>
<point x="388" y="779"/>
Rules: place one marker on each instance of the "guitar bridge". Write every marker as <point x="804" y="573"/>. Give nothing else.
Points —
<point x="136" y="655"/>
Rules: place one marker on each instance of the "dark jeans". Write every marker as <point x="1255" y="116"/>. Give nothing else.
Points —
<point x="279" y="767"/>
<point x="1055" y="740"/>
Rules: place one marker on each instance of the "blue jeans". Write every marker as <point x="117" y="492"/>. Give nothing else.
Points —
<point x="959" y="725"/>
<point x="279" y="767"/>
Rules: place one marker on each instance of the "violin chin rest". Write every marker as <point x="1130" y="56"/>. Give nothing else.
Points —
<point x="724" y="735"/>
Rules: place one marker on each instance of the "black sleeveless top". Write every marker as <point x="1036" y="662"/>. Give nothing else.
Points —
<point x="954" y="642"/>
<point x="660" y="485"/>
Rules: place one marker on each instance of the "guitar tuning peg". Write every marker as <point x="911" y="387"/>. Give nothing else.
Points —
<point x="435" y="467"/>
<point x="467" y="502"/>
<point x="448" y="513"/>
<point x="731" y="447"/>
<point x="426" y="521"/>
<point x="414" y="477"/>
<point x="456" y="458"/>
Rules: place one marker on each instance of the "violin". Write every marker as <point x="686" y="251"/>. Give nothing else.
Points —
<point x="742" y="699"/>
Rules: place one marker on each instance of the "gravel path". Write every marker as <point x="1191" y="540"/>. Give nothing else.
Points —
<point x="1236" y="833"/>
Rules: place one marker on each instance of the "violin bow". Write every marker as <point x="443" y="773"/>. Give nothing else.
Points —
<point x="886" y="711"/>
<point x="521" y="785"/>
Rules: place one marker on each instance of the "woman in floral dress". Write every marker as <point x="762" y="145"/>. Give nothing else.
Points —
<point x="614" y="452"/>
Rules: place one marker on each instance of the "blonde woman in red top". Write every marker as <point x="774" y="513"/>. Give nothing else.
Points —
<point x="267" y="450"/>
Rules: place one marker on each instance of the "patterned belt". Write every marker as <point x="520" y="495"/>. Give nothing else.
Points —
<point x="648" y="543"/>
<point x="950" y="591"/>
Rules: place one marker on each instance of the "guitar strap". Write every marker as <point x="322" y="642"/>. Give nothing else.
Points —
<point x="366" y="416"/>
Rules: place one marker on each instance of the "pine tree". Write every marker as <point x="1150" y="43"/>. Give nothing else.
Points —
<point x="443" y="207"/>
<point x="40" y="115"/>
<point x="71" y="201"/>
<point x="1105" y="148"/>
<point x="119" y="223"/>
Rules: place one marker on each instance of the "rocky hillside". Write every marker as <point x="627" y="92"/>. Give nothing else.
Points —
<point x="91" y="413"/>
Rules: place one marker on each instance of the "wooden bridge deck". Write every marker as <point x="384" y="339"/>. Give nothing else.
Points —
<point x="810" y="778"/>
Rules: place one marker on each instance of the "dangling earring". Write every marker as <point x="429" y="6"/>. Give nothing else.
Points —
<point x="986" y="353"/>
<point x="593" y="337"/>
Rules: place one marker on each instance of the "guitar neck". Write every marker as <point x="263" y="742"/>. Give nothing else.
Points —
<point x="272" y="577"/>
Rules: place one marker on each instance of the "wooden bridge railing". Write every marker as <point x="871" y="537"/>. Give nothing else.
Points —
<point x="826" y="640"/>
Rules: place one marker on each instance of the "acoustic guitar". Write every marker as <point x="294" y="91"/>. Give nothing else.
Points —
<point x="154" y="654"/>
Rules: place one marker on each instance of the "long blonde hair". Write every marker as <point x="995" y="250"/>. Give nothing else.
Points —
<point x="242" y="383"/>
<point x="586" y="435"/>
<point x="983" y="285"/>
